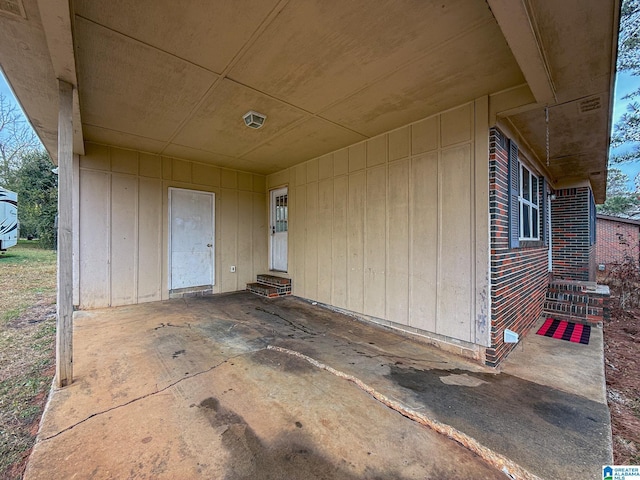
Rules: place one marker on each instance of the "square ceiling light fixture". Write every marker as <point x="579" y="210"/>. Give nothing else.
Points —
<point x="254" y="119"/>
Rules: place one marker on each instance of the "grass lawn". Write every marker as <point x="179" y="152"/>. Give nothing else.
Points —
<point x="27" y="339"/>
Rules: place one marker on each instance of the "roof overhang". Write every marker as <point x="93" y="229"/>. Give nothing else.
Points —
<point x="159" y="77"/>
<point x="567" y="53"/>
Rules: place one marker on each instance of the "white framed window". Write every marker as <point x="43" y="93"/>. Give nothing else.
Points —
<point x="529" y="203"/>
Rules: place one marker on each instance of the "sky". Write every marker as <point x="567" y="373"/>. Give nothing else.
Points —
<point x="625" y="83"/>
<point x="5" y="89"/>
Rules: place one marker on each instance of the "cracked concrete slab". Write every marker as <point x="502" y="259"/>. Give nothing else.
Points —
<point x="196" y="387"/>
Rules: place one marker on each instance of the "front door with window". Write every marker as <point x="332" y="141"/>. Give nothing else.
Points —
<point x="279" y="225"/>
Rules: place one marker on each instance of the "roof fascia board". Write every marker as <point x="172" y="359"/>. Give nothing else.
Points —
<point x="510" y="102"/>
<point x="55" y="16"/>
<point x="518" y="26"/>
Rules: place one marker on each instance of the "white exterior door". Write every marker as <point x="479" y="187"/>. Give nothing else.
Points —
<point x="191" y="237"/>
<point x="279" y="220"/>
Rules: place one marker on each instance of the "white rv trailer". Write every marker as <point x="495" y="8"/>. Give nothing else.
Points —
<point x="8" y="219"/>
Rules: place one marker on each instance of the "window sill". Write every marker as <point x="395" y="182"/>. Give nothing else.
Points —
<point x="532" y="244"/>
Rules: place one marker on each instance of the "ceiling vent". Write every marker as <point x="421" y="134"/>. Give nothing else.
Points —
<point x="590" y="105"/>
<point x="13" y="7"/>
<point x="253" y="119"/>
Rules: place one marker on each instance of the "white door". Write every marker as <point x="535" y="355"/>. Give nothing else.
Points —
<point x="279" y="219"/>
<point x="191" y="236"/>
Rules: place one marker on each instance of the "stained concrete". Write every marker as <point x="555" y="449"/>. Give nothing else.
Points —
<point x="567" y="366"/>
<point x="187" y="389"/>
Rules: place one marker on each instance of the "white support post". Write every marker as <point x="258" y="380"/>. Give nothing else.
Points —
<point x="64" y="330"/>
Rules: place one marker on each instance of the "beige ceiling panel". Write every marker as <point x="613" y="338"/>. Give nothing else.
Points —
<point x="206" y="33"/>
<point x="474" y="65"/>
<point x="319" y="51"/>
<point x="128" y="86"/>
<point x="570" y="132"/>
<point x="511" y="101"/>
<point x="217" y="126"/>
<point x="120" y="139"/>
<point x="310" y="139"/>
<point x="180" y="151"/>
<point x="245" y="165"/>
<point x="572" y="166"/>
<point x="572" y="32"/>
<point x="578" y="138"/>
<point x="573" y="170"/>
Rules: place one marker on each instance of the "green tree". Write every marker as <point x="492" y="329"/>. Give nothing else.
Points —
<point x="17" y="138"/>
<point x="37" y="189"/>
<point x="621" y="201"/>
<point x="26" y="169"/>
<point x="627" y="129"/>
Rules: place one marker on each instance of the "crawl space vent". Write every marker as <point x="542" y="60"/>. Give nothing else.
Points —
<point x="590" y="105"/>
<point x="13" y="7"/>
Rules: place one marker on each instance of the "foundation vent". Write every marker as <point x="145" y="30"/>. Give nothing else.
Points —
<point x="590" y="105"/>
<point x="13" y="7"/>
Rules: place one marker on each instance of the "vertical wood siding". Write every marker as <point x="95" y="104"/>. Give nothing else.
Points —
<point x="397" y="227"/>
<point x="122" y="252"/>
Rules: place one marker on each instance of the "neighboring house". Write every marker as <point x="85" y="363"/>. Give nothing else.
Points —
<point x="618" y="241"/>
<point x="404" y="172"/>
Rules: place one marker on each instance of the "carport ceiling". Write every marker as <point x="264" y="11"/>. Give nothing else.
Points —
<point x="157" y="76"/>
<point x="175" y="78"/>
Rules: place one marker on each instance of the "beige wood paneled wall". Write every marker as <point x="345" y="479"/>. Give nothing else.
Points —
<point x="123" y="224"/>
<point x="397" y="227"/>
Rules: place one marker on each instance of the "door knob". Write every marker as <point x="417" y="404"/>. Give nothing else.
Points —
<point x="209" y="245"/>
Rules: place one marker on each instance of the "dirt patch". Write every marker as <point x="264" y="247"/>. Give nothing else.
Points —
<point x="622" y="368"/>
<point x="42" y="311"/>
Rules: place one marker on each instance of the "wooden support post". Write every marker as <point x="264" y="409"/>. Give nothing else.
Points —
<point x="64" y="330"/>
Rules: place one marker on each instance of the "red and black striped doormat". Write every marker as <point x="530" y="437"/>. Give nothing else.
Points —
<point x="573" y="332"/>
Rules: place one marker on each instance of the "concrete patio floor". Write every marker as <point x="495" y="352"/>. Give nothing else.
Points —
<point x="236" y="386"/>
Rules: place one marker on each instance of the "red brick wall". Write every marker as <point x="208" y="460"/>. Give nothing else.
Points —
<point x="573" y="255"/>
<point x="615" y="241"/>
<point x="519" y="277"/>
